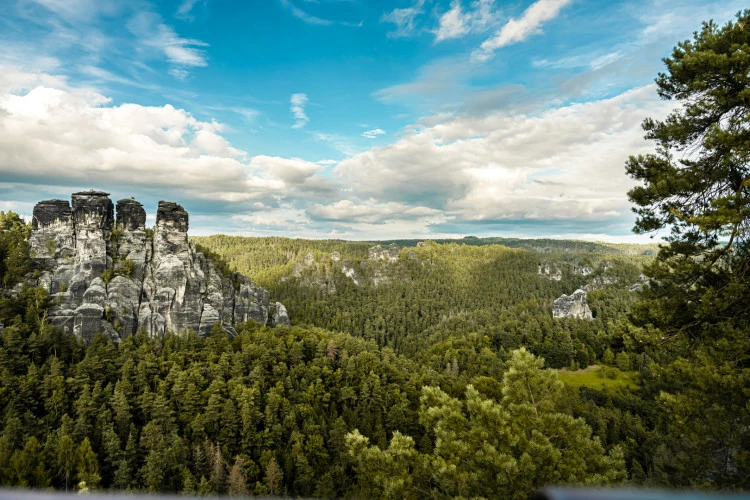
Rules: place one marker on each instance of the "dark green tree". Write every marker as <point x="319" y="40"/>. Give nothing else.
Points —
<point x="695" y="319"/>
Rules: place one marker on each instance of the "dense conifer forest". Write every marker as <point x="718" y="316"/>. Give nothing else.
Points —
<point x="429" y="369"/>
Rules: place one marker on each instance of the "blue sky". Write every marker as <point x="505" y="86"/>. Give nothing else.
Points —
<point x="351" y="119"/>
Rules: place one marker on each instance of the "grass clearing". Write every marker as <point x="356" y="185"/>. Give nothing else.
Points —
<point x="594" y="377"/>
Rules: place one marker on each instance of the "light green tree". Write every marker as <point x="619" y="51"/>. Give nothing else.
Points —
<point x="87" y="465"/>
<point x="489" y="449"/>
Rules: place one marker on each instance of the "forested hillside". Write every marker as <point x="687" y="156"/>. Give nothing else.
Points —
<point x="298" y="410"/>
<point x="447" y="303"/>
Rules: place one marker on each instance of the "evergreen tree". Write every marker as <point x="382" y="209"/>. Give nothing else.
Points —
<point x="87" y="465"/>
<point x="695" y="318"/>
<point x="488" y="449"/>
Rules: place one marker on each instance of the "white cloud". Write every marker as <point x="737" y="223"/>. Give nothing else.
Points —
<point x="304" y="16"/>
<point x="518" y="30"/>
<point x="155" y="36"/>
<point x="371" y="213"/>
<point x="456" y="23"/>
<point x="403" y="19"/>
<point x="292" y="171"/>
<point x="183" y="11"/>
<point x="506" y="166"/>
<point x="372" y="134"/>
<point x="297" y="108"/>
<point x="56" y="132"/>
<point x="339" y="142"/>
<point x="79" y="10"/>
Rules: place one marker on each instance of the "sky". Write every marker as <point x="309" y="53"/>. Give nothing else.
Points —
<point x="351" y="119"/>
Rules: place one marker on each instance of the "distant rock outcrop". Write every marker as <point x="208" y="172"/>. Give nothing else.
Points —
<point x="113" y="276"/>
<point x="582" y="269"/>
<point x="572" y="306"/>
<point x="550" y="271"/>
<point x="643" y="282"/>
<point x="389" y="254"/>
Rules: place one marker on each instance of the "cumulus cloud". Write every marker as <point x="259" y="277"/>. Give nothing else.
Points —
<point x="371" y="213"/>
<point x="518" y="30"/>
<point x="506" y="166"/>
<point x="372" y="134"/>
<point x="292" y="171"/>
<point x="403" y="19"/>
<point x="297" y="108"/>
<point x="456" y="23"/>
<point x="50" y="131"/>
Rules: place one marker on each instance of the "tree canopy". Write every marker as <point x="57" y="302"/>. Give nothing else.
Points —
<point x="695" y="319"/>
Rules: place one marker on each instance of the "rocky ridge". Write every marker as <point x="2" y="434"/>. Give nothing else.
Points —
<point x="112" y="275"/>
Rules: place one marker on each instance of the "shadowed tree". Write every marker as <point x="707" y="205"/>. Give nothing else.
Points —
<point x="695" y="319"/>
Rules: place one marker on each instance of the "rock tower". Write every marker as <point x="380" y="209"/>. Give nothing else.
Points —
<point x="114" y="276"/>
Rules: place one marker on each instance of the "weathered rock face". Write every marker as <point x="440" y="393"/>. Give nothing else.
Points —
<point x="572" y="306"/>
<point x="550" y="271"/>
<point x="389" y="254"/>
<point x="113" y="278"/>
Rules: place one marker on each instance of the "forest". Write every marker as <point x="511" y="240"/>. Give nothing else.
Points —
<point x="430" y="369"/>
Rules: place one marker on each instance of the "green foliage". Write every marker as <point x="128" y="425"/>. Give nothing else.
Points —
<point x="50" y="246"/>
<point x="14" y="248"/>
<point x="127" y="268"/>
<point x="694" y="320"/>
<point x="600" y="377"/>
<point x="489" y="449"/>
<point x="453" y="307"/>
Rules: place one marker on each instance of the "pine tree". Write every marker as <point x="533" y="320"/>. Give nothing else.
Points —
<point x="65" y="456"/>
<point x="695" y="318"/>
<point x="87" y="465"/>
<point x="237" y="481"/>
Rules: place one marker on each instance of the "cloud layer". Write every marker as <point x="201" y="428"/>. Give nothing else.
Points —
<point x="513" y="167"/>
<point x="51" y="131"/>
<point x="448" y="170"/>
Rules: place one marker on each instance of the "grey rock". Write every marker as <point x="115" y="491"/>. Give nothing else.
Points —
<point x="335" y="256"/>
<point x="130" y="215"/>
<point x="389" y="254"/>
<point x="280" y="316"/>
<point x="309" y="259"/>
<point x="93" y="221"/>
<point x="572" y="306"/>
<point x="642" y="283"/>
<point x="350" y="273"/>
<point x="159" y="285"/>
<point x="87" y="321"/>
<point x="209" y="317"/>
<point x="52" y="237"/>
<point x="550" y="271"/>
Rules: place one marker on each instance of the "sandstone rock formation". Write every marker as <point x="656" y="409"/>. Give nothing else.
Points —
<point x="572" y="306"/>
<point x="550" y="271"/>
<point x="113" y="276"/>
<point x="389" y="254"/>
